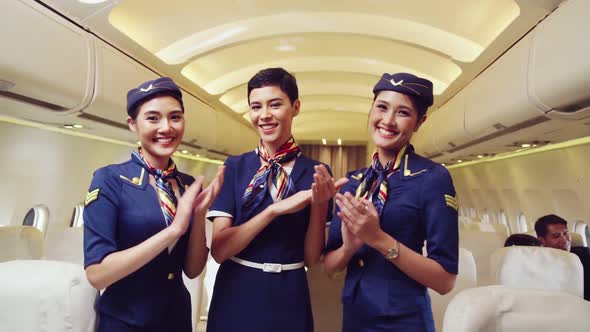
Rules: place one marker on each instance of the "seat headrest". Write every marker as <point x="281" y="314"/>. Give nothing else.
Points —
<point x="21" y="242"/>
<point x="537" y="268"/>
<point x="499" y="308"/>
<point x="577" y="240"/>
<point x="38" y="295"/>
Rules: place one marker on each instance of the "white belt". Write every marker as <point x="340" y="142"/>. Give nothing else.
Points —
<point x="268" y="267"/>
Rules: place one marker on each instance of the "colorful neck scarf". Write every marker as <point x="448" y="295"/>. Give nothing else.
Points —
<point x="258" y="186"/>
<point x="374" y="180"/>
<point x="166" y="194"/>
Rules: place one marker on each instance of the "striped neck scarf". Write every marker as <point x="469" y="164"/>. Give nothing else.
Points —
<point x="374" y="181"/>
<point x="258" y="186"/>
<point x="166" y="194"/>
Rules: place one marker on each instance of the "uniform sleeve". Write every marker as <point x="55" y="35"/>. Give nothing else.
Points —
<point x="224" y="204"/>
<point x="442" y="229"/>
<point x="100" y="217"/>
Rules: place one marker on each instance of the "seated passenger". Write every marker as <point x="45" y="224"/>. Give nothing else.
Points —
<point x="522" y="240"/>
<point x="552" y="232"/>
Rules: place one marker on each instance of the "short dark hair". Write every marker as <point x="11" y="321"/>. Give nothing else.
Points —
<point x="550" y="219"/>
<point x="522" y="240"/>
<point x="278" y="77"/>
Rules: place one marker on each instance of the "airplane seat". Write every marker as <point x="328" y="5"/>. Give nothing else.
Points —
<point x="521" y="224"/>
<point x="503" y="220"/>
<point x="537" y="268"/>
<point x="577" y="240"/>
<point x="77" y="219"/>
<point x="464" y="220"/>
<point x="67" y="245"/>
<point x="21" y="242"/>
<point x="500" y="308"/>
<point x="467" y="278"/>
<point x="461" y="211"/>
<point x="38" y="217"/>
<point x="472" y="213"/>
<point x="580" y="227"/>
<point x="45" y="296"/>
<point x="485" y="217"/>
<point x="481" y="245"/>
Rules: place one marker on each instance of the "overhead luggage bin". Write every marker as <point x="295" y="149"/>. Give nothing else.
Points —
<point x="450" y="124"/>
<point x="498" y="99"/>
<point x="559" y="70"/>
<point x="45" y="61"/>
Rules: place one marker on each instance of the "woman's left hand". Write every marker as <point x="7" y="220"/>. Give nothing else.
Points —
<point x="324" y="187"/>
<point x="360" y="216"/>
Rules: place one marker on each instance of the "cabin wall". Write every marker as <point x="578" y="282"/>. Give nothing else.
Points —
<point x="554" y="181"/>
<point x="44" y="167"/>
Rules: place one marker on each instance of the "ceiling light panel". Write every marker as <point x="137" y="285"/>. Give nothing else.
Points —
<point x="460" y="29"/>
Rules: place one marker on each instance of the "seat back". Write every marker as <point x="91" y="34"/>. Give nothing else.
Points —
<point x="580" y="228"/>
<point x="481" y="245"/>
<point x="577" y="240"/>
<point x="499" y="308"/>
<point x="467" y="278"/>
<point x="77" y="219"/>
<point x="38" y="217"/>
<point x="45" y="296"/>
<point x="66" y="245"/>
<point x="21" y="242"/>
<point x="521" y="224"/>
<point x="538" y="268"/>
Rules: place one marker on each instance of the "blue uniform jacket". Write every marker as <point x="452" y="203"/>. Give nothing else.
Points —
<point x="122" y="210"/>
<point x="421" y="206"/>
<point x="248" y="299"/>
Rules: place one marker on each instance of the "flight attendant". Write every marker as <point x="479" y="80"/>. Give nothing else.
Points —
<point x="269" y="220"/>
<point x="144" y="221"/>
<point x="386" y="212"/>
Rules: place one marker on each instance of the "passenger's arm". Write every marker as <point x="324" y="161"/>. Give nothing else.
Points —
<point x="229" y="240"/>
<point x="197" y="251"/>
<point x="119" y="264"/>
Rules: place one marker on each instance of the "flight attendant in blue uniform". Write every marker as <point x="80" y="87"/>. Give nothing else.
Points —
<point x="138" y="237"/>
<point x="386" y="212"/>
<point x="269" y="220"/>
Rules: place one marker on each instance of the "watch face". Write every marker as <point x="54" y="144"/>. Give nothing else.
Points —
<point x="392" y="253"/>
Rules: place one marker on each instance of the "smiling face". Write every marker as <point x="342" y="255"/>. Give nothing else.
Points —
<point x="159" y="126"/>
<point x="271" y="113"/>
<point x="393" y="119"/>
<point x="557" y="237"/>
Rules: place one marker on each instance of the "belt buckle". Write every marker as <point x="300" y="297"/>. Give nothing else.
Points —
<point x="272" y="268"/>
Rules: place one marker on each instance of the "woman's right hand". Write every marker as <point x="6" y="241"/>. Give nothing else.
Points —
<point x="184" y="210"/>
<point x="292" y="204"/>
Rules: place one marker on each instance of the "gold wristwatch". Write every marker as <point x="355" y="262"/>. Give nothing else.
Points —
<point x="393" y="252"/>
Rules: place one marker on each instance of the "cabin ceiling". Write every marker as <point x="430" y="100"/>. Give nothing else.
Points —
<point x="336" y="49"/>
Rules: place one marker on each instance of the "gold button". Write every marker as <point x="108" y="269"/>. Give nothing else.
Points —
<point x="170" y="276"/>
<point x="361" y="263"/>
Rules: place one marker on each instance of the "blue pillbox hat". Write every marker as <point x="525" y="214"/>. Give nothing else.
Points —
<point x="408" y="84"/>
<point x="147" y="90"/>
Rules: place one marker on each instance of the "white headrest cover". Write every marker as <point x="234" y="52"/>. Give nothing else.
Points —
<point x="498" y="308"/>
<point x="40" y="296"/>
<point x="537" y="268"/>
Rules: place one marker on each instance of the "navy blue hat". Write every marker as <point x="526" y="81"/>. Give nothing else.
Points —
<point x="147" y="90"/>
<point x="408" y="84"/>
